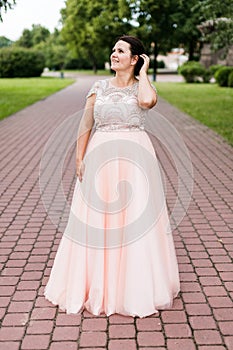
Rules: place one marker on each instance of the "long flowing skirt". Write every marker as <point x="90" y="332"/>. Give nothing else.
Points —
<point x="117" y="253"/>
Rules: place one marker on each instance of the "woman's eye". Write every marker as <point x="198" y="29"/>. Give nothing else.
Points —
<point x="119" y="50"/>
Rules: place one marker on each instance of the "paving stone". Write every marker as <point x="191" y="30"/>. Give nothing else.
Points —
<point x="64" y="345"/>
<point x="174" y="316"/>
<point x="177" y="344"/>
<point x="40" y="327"/>
<point x="229" y="342"/>
<point x="35" y="342"/>
<point x="65" y="333"/>
<point x="8" y="345"/>
<point x="223" y="314"/>
<point x="226" y="327"/>
<point x="20" y="306"/>
<point x="178" y="330"/>
<point x="68" y="320"/>
<point x="202" y="322"/>
<point x="120" y="319"/>
<point x="215" y="291"/>
<point x="127" y="344"/>
<point x="16" y="319"/>
<point x="121" y="331"/>
<point x="6" y="333"/>
<point x="220" y="301"/>
<point x="94" y="324"/>
<point x="148" y="324"/>
<point x="207" y="337"/>
<point x="198" y="309"/>
<point x="194" y="297"/>
<point x="150" y="338"/>
<point x="43" y="313"/>
<point x="93" y="339"/>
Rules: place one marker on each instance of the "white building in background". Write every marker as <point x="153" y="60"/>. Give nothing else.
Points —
<point x="173" y="59"/>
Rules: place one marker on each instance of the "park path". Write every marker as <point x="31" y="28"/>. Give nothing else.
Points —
<point x="201" y="317"/>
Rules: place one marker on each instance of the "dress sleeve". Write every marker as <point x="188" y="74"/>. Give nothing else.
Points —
<point x="93" y="89"/>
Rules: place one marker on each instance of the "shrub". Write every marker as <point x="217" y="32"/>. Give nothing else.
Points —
<point x="222" y="74"/>
<point x="213" y="69"/>
<point x="207" y="75"/>
<point x="230" y="79"/>
<point x="20" y="62"/>
<point x="160" y="64"/>
<point x="191" y="71"/>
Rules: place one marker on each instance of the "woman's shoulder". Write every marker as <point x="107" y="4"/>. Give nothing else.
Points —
<point x="96" y="87"/>
<point x="101" y="82"/>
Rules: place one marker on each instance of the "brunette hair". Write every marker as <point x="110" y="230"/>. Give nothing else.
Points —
<point x="136" y="48"/>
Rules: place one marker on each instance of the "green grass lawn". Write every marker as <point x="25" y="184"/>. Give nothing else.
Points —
<point x="210" y="104"/>
<point x="88" y="71"/>
<point x="17" y="93"/>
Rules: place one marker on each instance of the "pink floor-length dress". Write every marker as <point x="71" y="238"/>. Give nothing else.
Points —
<point x="117" y="253"/>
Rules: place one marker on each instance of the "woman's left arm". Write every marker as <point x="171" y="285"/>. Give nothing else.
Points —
<point x="147" y="96"/>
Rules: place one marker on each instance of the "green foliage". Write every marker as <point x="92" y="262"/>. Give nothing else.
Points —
<point x="53" y="47"/>
<point x="222" y="74"/>
<point x="90" y="28"/>
<point x="25" y="40"/>
<point x="33" y="37"/>
<point x="192" y="71"/>
<point x="160" y="64"/>
<point x="206" y="76"/>
<point x="230" y="79"/>
<point x="54" y="54"/>
<point x="20" y="62"/>
<point x="5" y="4"/>
<point x="5" y="42"/>
<point x="213" y="69"/>
<point x="217" y="17"/>
<point x="185" y="21"/>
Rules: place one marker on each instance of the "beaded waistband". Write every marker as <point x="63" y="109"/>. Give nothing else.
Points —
<point x="119" y="127"/>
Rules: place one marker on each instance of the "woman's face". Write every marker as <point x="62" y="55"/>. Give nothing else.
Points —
<point x="121" y="57"/>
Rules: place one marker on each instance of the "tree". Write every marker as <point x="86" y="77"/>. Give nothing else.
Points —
<point x="90" y="27"/>
<point x="5" y="4"/>
<point x="5" y="42"/>
<point x="54" y="50"/>
<point x="25" y="40"/>
<point x="36" y="35"/>
<point x="216" y="22"/>
<point x="185" y="20"/>
<point x="153" y="23"/>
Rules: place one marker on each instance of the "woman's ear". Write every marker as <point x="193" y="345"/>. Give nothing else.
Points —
<point x="134" y="60"/>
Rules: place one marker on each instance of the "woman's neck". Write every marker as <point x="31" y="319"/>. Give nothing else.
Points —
<point x="124" y="79"/>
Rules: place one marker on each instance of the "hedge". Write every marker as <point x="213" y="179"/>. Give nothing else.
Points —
<point x="222" y="74"/>
<point x="192" y="71"/>
<point x="230" y="79"/>
<point x="21" y="62"/>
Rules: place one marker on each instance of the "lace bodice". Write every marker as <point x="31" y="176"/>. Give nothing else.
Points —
<point x="117" y="108"/>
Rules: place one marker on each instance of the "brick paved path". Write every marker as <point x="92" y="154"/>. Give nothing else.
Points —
<point x="202" y="316"/>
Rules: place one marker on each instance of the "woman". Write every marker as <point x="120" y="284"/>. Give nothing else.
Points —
<point x="117" y="253"/>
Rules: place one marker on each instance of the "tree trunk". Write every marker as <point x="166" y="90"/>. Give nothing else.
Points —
<point x="155" y="53"/>
<point x="94" y="67"/>
<point x="191" y="50"/>
<point x="93" y="60"/>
